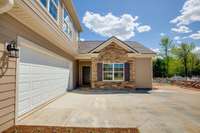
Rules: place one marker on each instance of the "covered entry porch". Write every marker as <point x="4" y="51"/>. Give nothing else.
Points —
<point x="84" y="73"/>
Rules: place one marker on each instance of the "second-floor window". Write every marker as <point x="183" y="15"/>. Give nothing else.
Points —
<point x="67" y="25"/>
<point x="51" y="6"/>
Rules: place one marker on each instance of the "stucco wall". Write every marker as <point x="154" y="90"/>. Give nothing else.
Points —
<point x="113" y="53"/>
<point x="9" y="30"/>
<point x="143" y="73"/>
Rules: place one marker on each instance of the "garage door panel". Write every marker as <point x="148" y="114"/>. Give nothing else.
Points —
<point x="24" y="86"/>
<point x="34" y="57"/>
<point x="41" y="78"/>
<point x="24" y="78"/>
<point x="24" y="95"/>
<point x="24" y="106"/>
<point x="24" y="68"/>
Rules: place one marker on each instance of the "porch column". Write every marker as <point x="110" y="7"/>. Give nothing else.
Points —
<point x="132" y="69"/>
<point x="94" y="72"/>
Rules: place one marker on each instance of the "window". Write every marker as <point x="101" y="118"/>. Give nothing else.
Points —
<point x="52" y="7"/>
<point x="67" y="25"/>
<point x="113" y="72"/>
<point x="44" y="2"/>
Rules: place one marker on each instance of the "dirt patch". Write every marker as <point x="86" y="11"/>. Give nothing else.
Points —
<point x="172" y="87"/>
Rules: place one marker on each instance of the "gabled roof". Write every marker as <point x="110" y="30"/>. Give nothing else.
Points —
<point x="116" y="41"/>
<point x="90" y="46"/>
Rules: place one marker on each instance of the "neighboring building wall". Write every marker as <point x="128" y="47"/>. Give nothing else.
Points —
<point x="113" y="53"/>
<point x="9" y="30"/>
<point x="143" y="73"/>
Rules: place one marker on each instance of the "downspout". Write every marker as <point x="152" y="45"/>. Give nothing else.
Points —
<point x="6" y="5"/>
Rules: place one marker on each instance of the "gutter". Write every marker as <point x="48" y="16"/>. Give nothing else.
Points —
<point x="6" y="5"/>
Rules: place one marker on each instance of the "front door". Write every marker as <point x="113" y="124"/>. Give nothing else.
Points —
<point x="86" y="75"/>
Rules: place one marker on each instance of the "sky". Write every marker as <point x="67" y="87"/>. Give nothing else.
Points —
<point x="145" y="21"/>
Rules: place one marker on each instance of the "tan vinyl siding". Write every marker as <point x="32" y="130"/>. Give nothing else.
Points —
<point x="7" y="117"/>
<point x="10" y="72"/>
<point x="7" y="110"/>
<point x="7" y="102"/>
<point x="7" y="79"/>
<point x="7" y="87"/>
<point x="7" y="91"/>
<point x="6" y="125"/>
<point x="6" y="95"/>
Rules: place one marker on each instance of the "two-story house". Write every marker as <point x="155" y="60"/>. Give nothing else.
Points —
<point x="49" y="59"/>
<point x="46" y="32"/>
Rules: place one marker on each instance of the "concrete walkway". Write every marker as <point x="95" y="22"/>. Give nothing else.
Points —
<point x="158" y="111"/>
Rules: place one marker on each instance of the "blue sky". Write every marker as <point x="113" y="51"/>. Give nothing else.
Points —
<point x="140" y="20"/>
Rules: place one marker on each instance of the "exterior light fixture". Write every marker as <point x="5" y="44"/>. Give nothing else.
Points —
<point x="11" y="49"/>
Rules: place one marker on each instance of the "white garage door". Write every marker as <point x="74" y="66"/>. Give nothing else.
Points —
<point x="42" y="77"/>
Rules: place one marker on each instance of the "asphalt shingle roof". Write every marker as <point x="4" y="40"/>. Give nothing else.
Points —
<point x="86" y="46"/>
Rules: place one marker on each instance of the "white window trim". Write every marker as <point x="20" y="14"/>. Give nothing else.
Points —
<point x="68" y="23"/>
<point x="113" y="73"/>
<point x="47" y="10"/>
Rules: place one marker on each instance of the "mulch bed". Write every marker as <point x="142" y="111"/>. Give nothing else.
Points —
<point x="50" y="129"/>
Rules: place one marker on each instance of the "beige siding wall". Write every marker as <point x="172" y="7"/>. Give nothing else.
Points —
<point x="7" y="89"/>
<point x="9" y="30"/>
<point x="143" y="73"/>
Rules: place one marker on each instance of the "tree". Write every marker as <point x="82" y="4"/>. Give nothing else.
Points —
<point x="195" y="64"/>
<point x="166" y="45"/>
<point x="159" y="68"/>
<point x="184" y="52"/>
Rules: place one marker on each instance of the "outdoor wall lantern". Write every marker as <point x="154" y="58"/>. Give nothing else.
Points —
<point x="11" y="49"/>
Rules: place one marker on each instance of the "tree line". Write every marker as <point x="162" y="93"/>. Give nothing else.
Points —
<point x="176" y="60"/>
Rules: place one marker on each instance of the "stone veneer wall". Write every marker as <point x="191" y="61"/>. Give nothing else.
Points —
<point x="113" y="53"/>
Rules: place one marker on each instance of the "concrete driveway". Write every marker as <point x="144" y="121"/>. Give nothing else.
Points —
<point x="159" y="111"/>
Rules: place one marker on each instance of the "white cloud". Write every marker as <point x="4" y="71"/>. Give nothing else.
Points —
<point x="195" y="36"/>
<point x="162" y="34"/>
<point x="185" y="37"/>
<point x="123" y="26"/>
<point x="182" y="29"/>
<point x="177" y="38"/>
<point x="82" y="39"/>
<point x="157" y="50"/>
<point x="178" y="41"/>
<point x="144" y="28"/>
<point x="197" y="50"/>
<point x="190" y="12"/>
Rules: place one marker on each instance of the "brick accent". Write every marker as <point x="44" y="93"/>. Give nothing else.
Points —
<point x="113" y="53"/>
